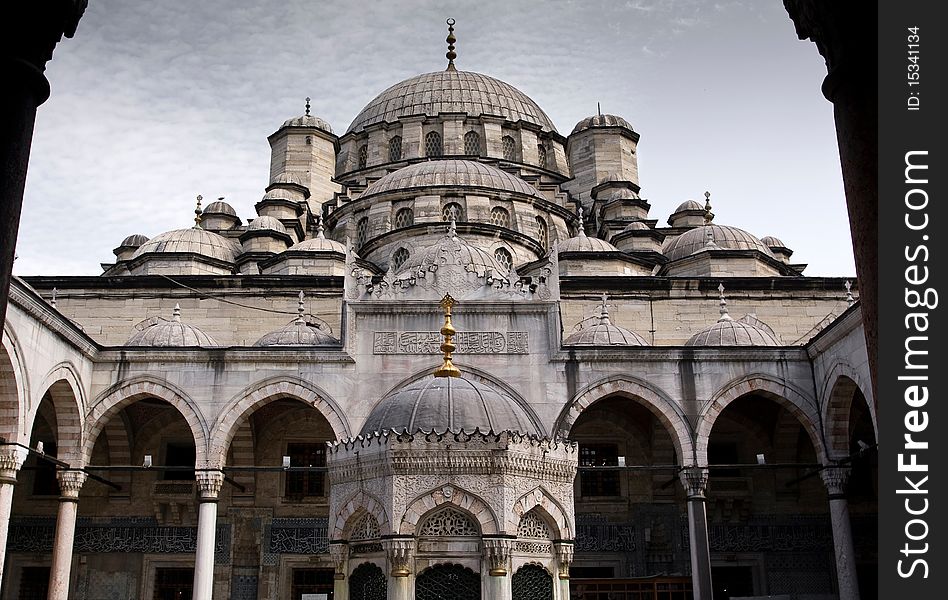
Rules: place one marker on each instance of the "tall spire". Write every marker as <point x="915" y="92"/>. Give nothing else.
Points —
<point x="300" y="309"/>
<point x="708" y="215"/>
<point x="850" y="300"/>
<point x="724" y="315"/>
<point x="197" y="212"/>
<point x="307" y="106"/>
<point x="447" y="368"/>
<point x="451" y="54"/>
<point x="176" y="313"/>
<point x="452" y="228"/>
<point x="604" y="311"/>
<point x="319" y="231"/>
<point x="582" y="224"/>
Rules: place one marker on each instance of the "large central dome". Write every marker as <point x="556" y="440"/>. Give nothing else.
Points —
<point x="451" y="91"/>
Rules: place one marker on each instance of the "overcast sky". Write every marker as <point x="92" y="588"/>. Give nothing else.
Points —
<point x="155" y="102"/>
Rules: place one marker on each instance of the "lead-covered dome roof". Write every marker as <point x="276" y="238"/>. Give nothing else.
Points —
<point x="448" y="404"/>
<point x="597" y="121"/>
<point x="194" y="240"/>
<point x="451" y="91"/>
<point x="728" y="332"/>
<point x="162" y="333"/>
<point x="308" y="121"/>
<point x="445" y="173"/>
<point x="604" y="333"/>
<point x="297" y="333"/>
<point x="724" y="237"/>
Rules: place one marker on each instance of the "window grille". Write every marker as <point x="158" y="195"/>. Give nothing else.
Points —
<point x="598" y="483"/>
<point x="534" y="527"/>
<point x="448" y="581"/>
<point x="472" y="144"/>
<point x="404" y="217"/>
<point x="362" y="231"/>
<point x="395" y="148"/>
<point x="499" y="217"/>
<point x="300" y="484"/>
<point x="365" y="527"/>
<point x="363" y="156"/>
<point x="448" y="522"/>
<point x="541" y="155"/>
<point x="368" y="582"/>
<point x="452" y="211"/>
<point x="543" y="234"/>
<point x="532" y="582"/>
<point x="433" y="144"/>
<point x="503" y="258"/>
<point x="510" y="148"/>
<point x="399" y="258"/>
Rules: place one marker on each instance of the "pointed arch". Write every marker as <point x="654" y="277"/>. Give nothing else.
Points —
<point x="541" y="500"/>
<point x="122" y="394"/>
<point x="797" y="402"/>
<point x="449" y="495"/>
<point x="14" y="389"/>
<point x="839" y="388"/>
<point x="660" y="404"/>
<point x="65" y="392"/>
<point x="361" y="501"/>
<point x="241" y="406"/>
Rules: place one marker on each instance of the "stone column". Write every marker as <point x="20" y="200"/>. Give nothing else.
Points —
<point x="564" y="558"/>
<point x="401" y="554"/>
<point x="695" y="481"/>
<point x="70" y="482"/>
<point x="339" y="551"/>
<point x="836" y="480"/>
<point x="495" y="576"/>
<point x="11" y="459"/>
<point x="209" y="486"/>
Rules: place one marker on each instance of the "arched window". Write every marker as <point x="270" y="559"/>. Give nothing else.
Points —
<point x="472" y="143"/>
<point x="405" y="217"/>
<point x="398" y="259"/>
<point x="510" y="148"/>
<point x="395" y="148"/>
<point x="503" y="258"/>
<point x="363" y="155"/>
<point x="541" y="155"/>
<point x="368" y="582"/>
<point x="448" y="581"/>
<point x="532" y="582"/>
<point x="433" y="144"/>
<point x="543" y="234"/>
<point x="452" y="211"/>
<point x="499" y="217"/>
<point x="362" y="231"/>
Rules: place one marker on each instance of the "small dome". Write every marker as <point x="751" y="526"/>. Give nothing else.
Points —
<point x="472" y="258"/>
<point x="584" y="243"/>
<point x="134" y="241"/>
<point x="448" y="404"/>
<point x="450" y="173"/>
<point x="772" y="242"/>
<point x="307" y="121"/>
<point x="162" y="333"/>
<point x="623" y="194"/>
<point x="689" y="205"/>
<point x="318" y="244"/>
<point x="723" y="236"/>
<point x="604" y="333"/>
<point x="297" y="333"/>
<point x="451" y="91"/>
<point x="636" y="226"/>
<point x="219" y="207"/>
<point x="266" y="223"/>
<point x="728" y="332"/>
<point x="194" y="240"/>
<point x="596" y="121"/>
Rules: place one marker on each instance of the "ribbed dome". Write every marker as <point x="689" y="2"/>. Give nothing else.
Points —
<point x="584" y="243"/>
<point x="723" y="236"/>
<point x="636" y="226"/>
<point x="297" y="333"/>
<point x="266" y="223"/>
<point x="451" y="249"/>
<point x="601" y="121"/>
<point x="689" y="205"/>
<point x="623" y="194"/>
<point x="194" y="240"/>
<point x="219" y="207"/>
<point x="451" y="91"/>
<point x="134" y="240"/>
<point x="728" y="332"/>
<point x="286" y="177"/>
<point x="163" y="333"/>
<point x="604" y="333"/>
<point x="449" y="173"/>
<point x="308" y="121"/>
<point x="448" y="404"/>
<point x="772" y="242"/>
<point x="318" y="244"/>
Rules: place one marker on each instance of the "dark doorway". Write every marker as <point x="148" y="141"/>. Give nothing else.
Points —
<point x="732" y="582"/>
<point x="311" y="581"/>
<point x="173" y="583"/>
<point x="34" y="583"/>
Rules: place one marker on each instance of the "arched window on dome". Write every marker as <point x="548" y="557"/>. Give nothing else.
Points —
<point x="399" y="257"/>
<point x="395" y="148"/>
<point x="452" y="211"/>
<point x="541" y="156"/>
<point x="499" y="217"/>
<point x="510" y="148"/>
<point x="472" y="143"/>
<point x="433" y="144"/>
<point x="362" y="231"/>
<point x="543" y="234"/>
<point x="404" y="217"/>
<point x="363" y="155"/>
<point x="503" y="258"/>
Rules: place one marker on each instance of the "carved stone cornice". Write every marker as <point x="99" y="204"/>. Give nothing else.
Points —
<point x="836" y="480"/>
<point x="209" y="484"/>
<point x="497" y="554"/>
<point x="695" y="482"/>
<point x="400" y="553"/>
<point x="70" y="483"/>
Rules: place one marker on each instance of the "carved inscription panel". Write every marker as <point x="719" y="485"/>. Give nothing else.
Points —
<point x="468" y="342"/>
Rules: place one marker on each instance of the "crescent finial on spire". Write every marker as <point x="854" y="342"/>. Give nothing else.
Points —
<point x="451" y="54"/>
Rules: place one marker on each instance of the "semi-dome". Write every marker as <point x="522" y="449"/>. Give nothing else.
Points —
<point x="450" y="173"/>
<point x="604" y="333"/>
<point x="596" y="121"/>
<point x="219" y="207"/>
<point x="194" y="240"/>
<point x="266" y="223"/>
<point x="448" y="404"/>
<point x="134" y="241"/>
<point x="308" y="121"/>
<point x="162" y="333"/>
<point x="451" y="91"/>
<point x="723" y="237"/>
<point x="297" y="333"/>
<point x="451" y="249"/>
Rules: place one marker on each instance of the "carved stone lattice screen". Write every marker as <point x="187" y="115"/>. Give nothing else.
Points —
<point x="532" y="582"/>
<point x="533" y="535"/>
<point x="367" y="582"/>
<point x="448" y="582"/>
<point x="448" y="522"/>
<point x="365" y="527"/>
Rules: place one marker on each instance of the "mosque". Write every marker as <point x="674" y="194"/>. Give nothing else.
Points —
<point x="451" y="356"/>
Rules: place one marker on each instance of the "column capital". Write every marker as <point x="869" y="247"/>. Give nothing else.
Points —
<point x="70" y="482"/>
<point x="209" y="484"/>
<point x="339" y="552"/>
<point x="11" y="460"/>
<point x="564" y="557"/>
<point x="496" y="552"/>
<point x="400" y="552"/>
<point x="695" y="481"/>
<point x="836" y="480"/>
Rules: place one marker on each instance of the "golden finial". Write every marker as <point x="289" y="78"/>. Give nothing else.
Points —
<point x="447" y="368"/>
<point x="451" y="54"/>
<point x="708" y="215"/>
<point x="197" y="212"/>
